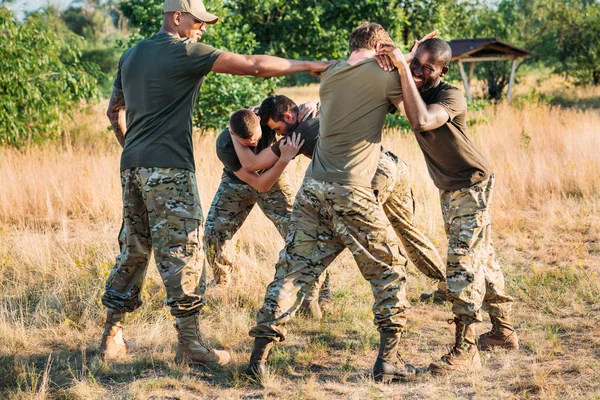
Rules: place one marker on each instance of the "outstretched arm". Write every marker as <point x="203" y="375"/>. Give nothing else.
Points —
<point x="267" y="179"/>
<point x="422" y="117"/>
<point x="116" y="114"/>
<point x="265" y="66"/>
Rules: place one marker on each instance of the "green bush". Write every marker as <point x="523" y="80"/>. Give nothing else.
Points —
<point x="42" y="79"/>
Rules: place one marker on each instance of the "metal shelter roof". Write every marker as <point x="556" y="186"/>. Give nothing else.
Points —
<point x="486" y="49"/>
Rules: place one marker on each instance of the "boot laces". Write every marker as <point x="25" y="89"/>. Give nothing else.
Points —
<point x="199" y="334"/>
<point x="494" y="331"/>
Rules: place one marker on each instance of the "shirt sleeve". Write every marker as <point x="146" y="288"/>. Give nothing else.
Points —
<point x="117" y="82"/>
<point x="201" y="57"/>
<point x="394" y="88"/>
<point x="452" y="100"/>
<point x="226" y="152"/>
<point x="275" y="148"/>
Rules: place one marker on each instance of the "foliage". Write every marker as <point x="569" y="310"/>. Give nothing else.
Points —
<point x="220" y="94"/>
<point x="41" y="80"/>
<point x="570" y="32"/>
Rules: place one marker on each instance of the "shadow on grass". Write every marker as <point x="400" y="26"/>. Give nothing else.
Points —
<point x="23" y="374"/>
<point x="588" y="103"/>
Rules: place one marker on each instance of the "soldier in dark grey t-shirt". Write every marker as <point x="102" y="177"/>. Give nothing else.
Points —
<point x="437" y="113"/>
<point x="240" y="189"/>
<point x="156" y="87"/>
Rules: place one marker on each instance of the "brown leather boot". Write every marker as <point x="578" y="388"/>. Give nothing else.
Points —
<point x="464" y="354"/>
<point x="502" y="336"/>
<point x="257" y="367"/>
<point x="192" y="348"/>
<point x="388" y="366"/>
<point x="438" y="296"/>
<point x="311" y="309"/>
<point x="113" y="346"/>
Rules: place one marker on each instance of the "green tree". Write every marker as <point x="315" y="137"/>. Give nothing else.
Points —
<point x="569" y="35"/>
<point x="41" y="80"/>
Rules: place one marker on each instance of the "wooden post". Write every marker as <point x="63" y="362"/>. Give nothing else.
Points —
<point x="464" y="79"/>
<point x="471" y="70"/>
<point x="511" y="80"/>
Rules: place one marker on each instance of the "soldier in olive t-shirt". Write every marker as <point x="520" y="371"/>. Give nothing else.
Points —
<point x="155" y="90"/>
<point x="335" y="207"/>
<point x="160" y="100"/>
<point x="437" y="113"/>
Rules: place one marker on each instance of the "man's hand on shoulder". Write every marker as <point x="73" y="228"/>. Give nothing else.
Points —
<point x="290" y="146"/>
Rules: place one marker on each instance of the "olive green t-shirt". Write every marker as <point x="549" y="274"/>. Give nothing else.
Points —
<point x="354" y="102"/>
<point x="452" y="159"/>
<point x="160" y="78"/>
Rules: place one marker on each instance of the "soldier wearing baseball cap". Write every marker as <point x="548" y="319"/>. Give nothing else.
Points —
<point x="156" y="87"/>
<point x="193" y="7"/>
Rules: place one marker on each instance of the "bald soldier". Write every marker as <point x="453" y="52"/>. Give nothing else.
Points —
<point x="156" y="87"/>
<point x="437" y="112"/>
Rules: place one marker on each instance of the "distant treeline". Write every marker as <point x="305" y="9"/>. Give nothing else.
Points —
<point x="54" y="59"/>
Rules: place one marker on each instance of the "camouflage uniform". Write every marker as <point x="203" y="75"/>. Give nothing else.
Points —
<point x="475" y="280"/>
<point x="161" y="213"/>
<point x="326" y="218"/>
<point x="230" y="207"/>
<point x="391" y="184"/>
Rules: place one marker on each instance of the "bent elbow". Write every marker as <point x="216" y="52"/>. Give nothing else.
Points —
<point x="264" y="188"/>
<point x="419" y="126"/>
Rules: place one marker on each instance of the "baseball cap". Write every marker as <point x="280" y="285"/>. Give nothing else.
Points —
<point x="194" y="7"/>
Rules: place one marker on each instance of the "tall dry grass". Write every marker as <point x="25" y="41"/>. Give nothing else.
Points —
<point x="60" y="213"/>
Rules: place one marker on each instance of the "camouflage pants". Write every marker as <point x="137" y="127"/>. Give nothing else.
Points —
<point x="161" y="213"/>
<point x="475" y="279"/>
<point x="391" y="184"/>
<point x="230" y="208"/>
<point x="327" y="218"/>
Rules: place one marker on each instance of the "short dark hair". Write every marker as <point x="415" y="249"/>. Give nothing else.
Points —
<point x="440" y="48"/>
<point x="274" y="107"/>
<point x="367" y="35"/>
<point x="242" y="123"/>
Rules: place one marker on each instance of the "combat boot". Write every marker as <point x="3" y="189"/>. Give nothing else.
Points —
<point x="464" y="354"/>
<point x="192" y="348"/>
<point x="311" y="309"/>
<point x="257" y="367"/>
<point x="388" y="366"/>
<point x="501" y="336"/>
<point x="113" y="346"/>
<point x="438" y="296"/>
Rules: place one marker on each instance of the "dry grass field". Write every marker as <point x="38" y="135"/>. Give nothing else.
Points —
<point x="60" y="214"/>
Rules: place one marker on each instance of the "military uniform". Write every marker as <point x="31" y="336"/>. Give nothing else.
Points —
<point x="230" y="207"/>
<point x="336" y="207"/>
<point x="161" y="213"/>
<point x="327" y="218"/>
<point x="235" y="199"/>
<point x="161" y="205"/>
<point x="466" y="183"/>
<point x="474" y="276"/>
<point x="391" y="185"/>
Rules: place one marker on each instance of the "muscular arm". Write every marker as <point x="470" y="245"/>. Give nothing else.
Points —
<point x="254" y="162"/>
<point x="264" y="66"/>
<point x="264" y="181"/>
<point x="422" y="117"/>
<point x="116" y="114"/>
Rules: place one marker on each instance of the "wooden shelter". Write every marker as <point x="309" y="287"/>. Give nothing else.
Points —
<point x="488" y="49"/>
